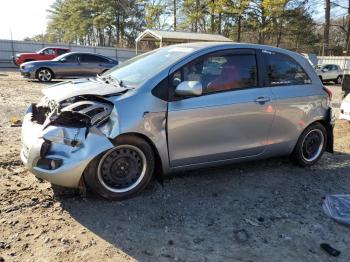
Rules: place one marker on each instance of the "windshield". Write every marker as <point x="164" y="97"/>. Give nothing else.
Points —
<point x="135" y="71"/>
<point x="38" y="52"/>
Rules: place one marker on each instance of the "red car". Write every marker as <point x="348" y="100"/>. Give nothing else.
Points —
<point x="46" y="53"/>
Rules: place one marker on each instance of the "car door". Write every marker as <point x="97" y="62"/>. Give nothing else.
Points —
<point x="68" y="66"/>
<point x="92" y="64"/>
<point x="231" y="119"/>
<point x="295" y="97"/>
<point x="327" y="72"/>
<point x="335" y="71"/>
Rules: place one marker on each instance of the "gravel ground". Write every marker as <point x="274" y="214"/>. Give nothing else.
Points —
<point x="261" y="211"/>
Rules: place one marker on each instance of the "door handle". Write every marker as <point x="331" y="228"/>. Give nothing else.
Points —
<point x="262" y="99"/>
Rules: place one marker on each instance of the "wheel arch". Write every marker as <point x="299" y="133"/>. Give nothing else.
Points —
<point x="329" y="129"/>
<point x="158" y="168"/>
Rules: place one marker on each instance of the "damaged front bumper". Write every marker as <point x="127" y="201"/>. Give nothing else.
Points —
<point x="60" y="154"/>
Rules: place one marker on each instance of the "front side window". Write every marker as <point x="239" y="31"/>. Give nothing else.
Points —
<point x="49" y="51"/>
<point x="328" y="67"/>
<point x="220" y="72"/>
<point x="71" y="58"/>
<point x="283" y="70"/>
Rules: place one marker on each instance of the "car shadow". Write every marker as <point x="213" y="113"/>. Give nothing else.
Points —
<point x="235" y="212"/>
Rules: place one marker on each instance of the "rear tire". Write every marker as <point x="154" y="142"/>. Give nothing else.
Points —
<point x="123" y="171"/>
<point x="311" y="145"/>
<point x="339" y="80"/>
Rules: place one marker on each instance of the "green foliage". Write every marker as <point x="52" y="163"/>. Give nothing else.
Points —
<point x="285" y="23"/>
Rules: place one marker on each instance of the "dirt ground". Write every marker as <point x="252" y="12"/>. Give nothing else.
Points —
<point x="261" y="211"/>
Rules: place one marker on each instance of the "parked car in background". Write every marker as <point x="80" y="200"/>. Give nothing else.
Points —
<point x="176" y="108"/>
<point x="69" y="65"/>
<point x="46" y="53"/>
<point x="345" y="108"/>
<point x="330" y="72"/>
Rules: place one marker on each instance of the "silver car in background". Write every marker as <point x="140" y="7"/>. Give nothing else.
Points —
<point x="330" y="72"/>
<point x="69" y="65"/>
<point x="176" y="108"/>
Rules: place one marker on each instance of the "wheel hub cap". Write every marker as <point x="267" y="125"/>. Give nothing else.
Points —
<point x="122" y="168"/>
<point x="312" y="145"/>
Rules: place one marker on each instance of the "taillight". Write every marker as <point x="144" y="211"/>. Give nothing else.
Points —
<point x="329" y="92"/>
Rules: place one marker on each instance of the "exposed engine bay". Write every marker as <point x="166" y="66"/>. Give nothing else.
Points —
<point x="79" y="111"/>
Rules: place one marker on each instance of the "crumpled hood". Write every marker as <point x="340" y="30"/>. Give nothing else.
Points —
<point x="88" y="86"/>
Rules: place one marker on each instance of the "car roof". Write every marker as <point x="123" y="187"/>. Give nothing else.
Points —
<point x="85" y="53"/>
<point x="207" y="45"/>
<point x="57" y="47"/>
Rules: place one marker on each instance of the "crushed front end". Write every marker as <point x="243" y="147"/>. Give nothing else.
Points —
<point x="60" y="138"/>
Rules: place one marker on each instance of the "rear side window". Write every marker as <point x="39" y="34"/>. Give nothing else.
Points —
<point x="61" y="51"/>
<point x="87" y="58"/>
<point x="284" y="70"/>
<point x="334" y="67"/>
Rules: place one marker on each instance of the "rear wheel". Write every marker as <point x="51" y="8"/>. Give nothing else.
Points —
<point x="44" y="75"/>
<point x="123" y="171"/>
<point x="339" y="80"/>
<point x="311" y="145"/>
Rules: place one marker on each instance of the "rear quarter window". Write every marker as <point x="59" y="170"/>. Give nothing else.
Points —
<point x="284" y="70"/>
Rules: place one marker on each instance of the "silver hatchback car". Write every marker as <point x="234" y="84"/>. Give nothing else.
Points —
<point x="177" y="108"/>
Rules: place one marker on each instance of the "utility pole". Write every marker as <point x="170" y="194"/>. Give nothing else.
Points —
<point x="348" y="31"/>
<point x="326" y="26"/>
<point x="175" y="15"/>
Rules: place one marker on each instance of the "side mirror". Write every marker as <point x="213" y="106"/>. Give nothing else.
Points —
<point x="189" y="88"/>
<point x="63" y="60"/>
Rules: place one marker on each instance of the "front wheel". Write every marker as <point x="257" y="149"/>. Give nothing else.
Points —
<point x="311" y="145"/>
<point x="44" y="75"/>
<point x="123" y="171"/>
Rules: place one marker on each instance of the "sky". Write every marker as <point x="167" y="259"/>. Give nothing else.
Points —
<point x="29" y="17"/>
<point x="23" y="18"/>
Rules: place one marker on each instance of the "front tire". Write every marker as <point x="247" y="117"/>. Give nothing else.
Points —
<point x="311" y="145"/>
<point x="123" y="171"/>
<point x="44" y="75"/>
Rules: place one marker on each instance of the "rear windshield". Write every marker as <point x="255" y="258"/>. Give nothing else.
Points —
<point x="135" y="71"/>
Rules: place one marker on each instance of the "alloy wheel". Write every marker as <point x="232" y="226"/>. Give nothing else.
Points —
<point x="44" y="75"/>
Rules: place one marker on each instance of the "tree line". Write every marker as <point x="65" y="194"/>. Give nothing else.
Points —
<point x="283" y="23"/>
